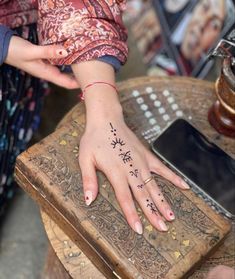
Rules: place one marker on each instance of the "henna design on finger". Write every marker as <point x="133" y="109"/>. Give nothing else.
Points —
<point x="134" y="172"/>
<point x="126" y="157"/>
<point x="162" y="199"/>
<point x="152" y="207"/>
<point x="140" y="186"/>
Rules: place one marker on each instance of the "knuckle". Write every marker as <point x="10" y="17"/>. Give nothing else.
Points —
<point x="132" y="215"/>
<point x="129" y="210"/>
<point x="81" y="160"/>
<point x="152" y="188"/>
<point x="87" y="179"/>
<point x="84" y="158"/>
<point x="124" y="201"/>
<point x="49" y="52"/>
<point x="32" y="49"/>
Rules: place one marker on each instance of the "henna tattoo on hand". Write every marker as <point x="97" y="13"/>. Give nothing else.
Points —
<point x="140" y="186"/>
<point x="152" y="207"/>
<point x="112" y="129"/>
<point x="126" y="157"/>
<point x="162" y="199"/>
<point x="116" y="142"/>
<point x="134" y="173"/>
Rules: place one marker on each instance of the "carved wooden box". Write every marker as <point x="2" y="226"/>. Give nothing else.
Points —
<point x="49" y="172"/>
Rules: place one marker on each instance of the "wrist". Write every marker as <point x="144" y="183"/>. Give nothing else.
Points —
<point x="102" y="99"/>
<point x="102" y="104"/>
<point x="95" y="83"/>
<point x="102" y="111"/>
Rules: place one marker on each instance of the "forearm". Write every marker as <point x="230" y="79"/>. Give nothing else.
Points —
<point x="101" y="100"/>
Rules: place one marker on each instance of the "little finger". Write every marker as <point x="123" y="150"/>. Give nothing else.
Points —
<point x="158" y="167"/>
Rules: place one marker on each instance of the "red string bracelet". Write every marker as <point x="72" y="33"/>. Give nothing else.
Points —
<point x="93" y="83"/>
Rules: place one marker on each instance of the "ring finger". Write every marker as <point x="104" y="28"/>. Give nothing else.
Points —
<point x="145" y="201"/>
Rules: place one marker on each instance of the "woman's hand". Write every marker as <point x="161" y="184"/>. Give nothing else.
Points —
<point x="110" y="146"/>
<point x="29" y="58"/>
<point x="221" y="272"/>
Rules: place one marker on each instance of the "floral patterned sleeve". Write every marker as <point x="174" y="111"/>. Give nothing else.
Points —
<point x="88" y="29"/>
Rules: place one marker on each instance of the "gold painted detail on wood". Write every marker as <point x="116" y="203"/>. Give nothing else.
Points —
<point x="194" y="220"/>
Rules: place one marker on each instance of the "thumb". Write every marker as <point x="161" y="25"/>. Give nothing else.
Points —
<point x="48" y="52"/>
<point x="89" y="179"/>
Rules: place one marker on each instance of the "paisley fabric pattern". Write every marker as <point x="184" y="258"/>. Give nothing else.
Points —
<point x="15" y="13"/>
<point x="88" y="29"/>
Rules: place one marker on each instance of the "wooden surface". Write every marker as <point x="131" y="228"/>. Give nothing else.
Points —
<point x="80" y="267"/>
<point x="72" y="258"/>
<point x="49" y="173"/>
<point x="53" y="268"/>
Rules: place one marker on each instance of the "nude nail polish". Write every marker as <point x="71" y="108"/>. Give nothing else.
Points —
<point x="62" y="52"/>
<point x="88" y="197"/>
<point x="170" y="215"/>
<point x="184" y="185"/>
<point x="138" y="228"/>
<point x="162" y="226"/>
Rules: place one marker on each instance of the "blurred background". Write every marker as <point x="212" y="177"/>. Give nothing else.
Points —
<point x="166" y="37"/>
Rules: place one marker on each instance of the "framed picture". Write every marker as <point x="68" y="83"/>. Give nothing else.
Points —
<point x="147" y="32"/>
<point x="180" y="35"/>
<point x="171" y="12"/>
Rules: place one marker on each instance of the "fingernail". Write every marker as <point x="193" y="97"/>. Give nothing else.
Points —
<point x="88" y="197"/>
<point x="170" y="214"/>
<point x="184" y="185"/>
<point x="138" y="228"/>
<point x="62" y="52"/>
<point x="162" y="226"/>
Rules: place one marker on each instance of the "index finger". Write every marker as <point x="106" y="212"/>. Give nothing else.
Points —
<point x="125" y="200"/>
